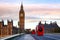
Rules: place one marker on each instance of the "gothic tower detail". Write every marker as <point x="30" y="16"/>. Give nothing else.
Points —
<point x="21" y="18"/>
<point x="10" y="26"/>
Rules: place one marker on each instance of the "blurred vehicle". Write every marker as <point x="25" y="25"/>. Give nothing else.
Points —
<point x="33" y="31"/>
<point x="40" y="30"/>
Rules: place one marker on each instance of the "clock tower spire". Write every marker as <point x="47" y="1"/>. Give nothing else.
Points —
<point x="21" y="18"/>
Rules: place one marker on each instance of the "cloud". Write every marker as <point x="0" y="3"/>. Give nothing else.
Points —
<point x="32" y="11"/>
<point x="43" y="9"/>
<point x="8" y="11"/>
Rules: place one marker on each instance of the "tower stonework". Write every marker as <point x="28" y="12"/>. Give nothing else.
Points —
<point x="10" y="26"/>
<point x="21" y="18"/>
<point x="0" y="28"/>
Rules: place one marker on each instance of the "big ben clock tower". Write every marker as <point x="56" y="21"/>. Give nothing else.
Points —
<point x="21" y="19"/>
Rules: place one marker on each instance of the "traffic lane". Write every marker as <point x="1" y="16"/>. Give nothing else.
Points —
<point x="53" y="36"/>
<point x="43" y="37"/>
<point x="27" y="37"/>
<point x="23" y="37"/>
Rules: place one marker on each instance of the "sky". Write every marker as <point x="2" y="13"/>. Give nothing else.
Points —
<point x="35" y="11"/>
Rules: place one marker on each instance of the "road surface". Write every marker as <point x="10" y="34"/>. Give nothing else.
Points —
<point x="47" y="37"/>
<point x="35" y="37"/>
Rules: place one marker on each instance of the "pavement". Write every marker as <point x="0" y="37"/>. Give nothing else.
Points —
<point x="35" y="37"/>
<point x="10" y="36"/>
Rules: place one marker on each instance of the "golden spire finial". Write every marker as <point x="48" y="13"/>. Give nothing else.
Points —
<point x="21" y="5"/>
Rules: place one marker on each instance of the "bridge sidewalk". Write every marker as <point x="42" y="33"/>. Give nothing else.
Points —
<point x="10" y="36"/>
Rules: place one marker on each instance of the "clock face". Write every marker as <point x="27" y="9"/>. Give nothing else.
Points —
<point x="21" y="14"/>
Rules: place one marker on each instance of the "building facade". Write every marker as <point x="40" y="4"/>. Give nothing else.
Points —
<point x="50" y="28"/>
<point x="6" y="29"/>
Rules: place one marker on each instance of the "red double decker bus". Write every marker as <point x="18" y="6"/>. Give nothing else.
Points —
<point x="40" y="30"/>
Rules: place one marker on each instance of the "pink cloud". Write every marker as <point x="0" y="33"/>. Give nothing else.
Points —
<point x="43" y="9"/>
<point x="12" y="10"/>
